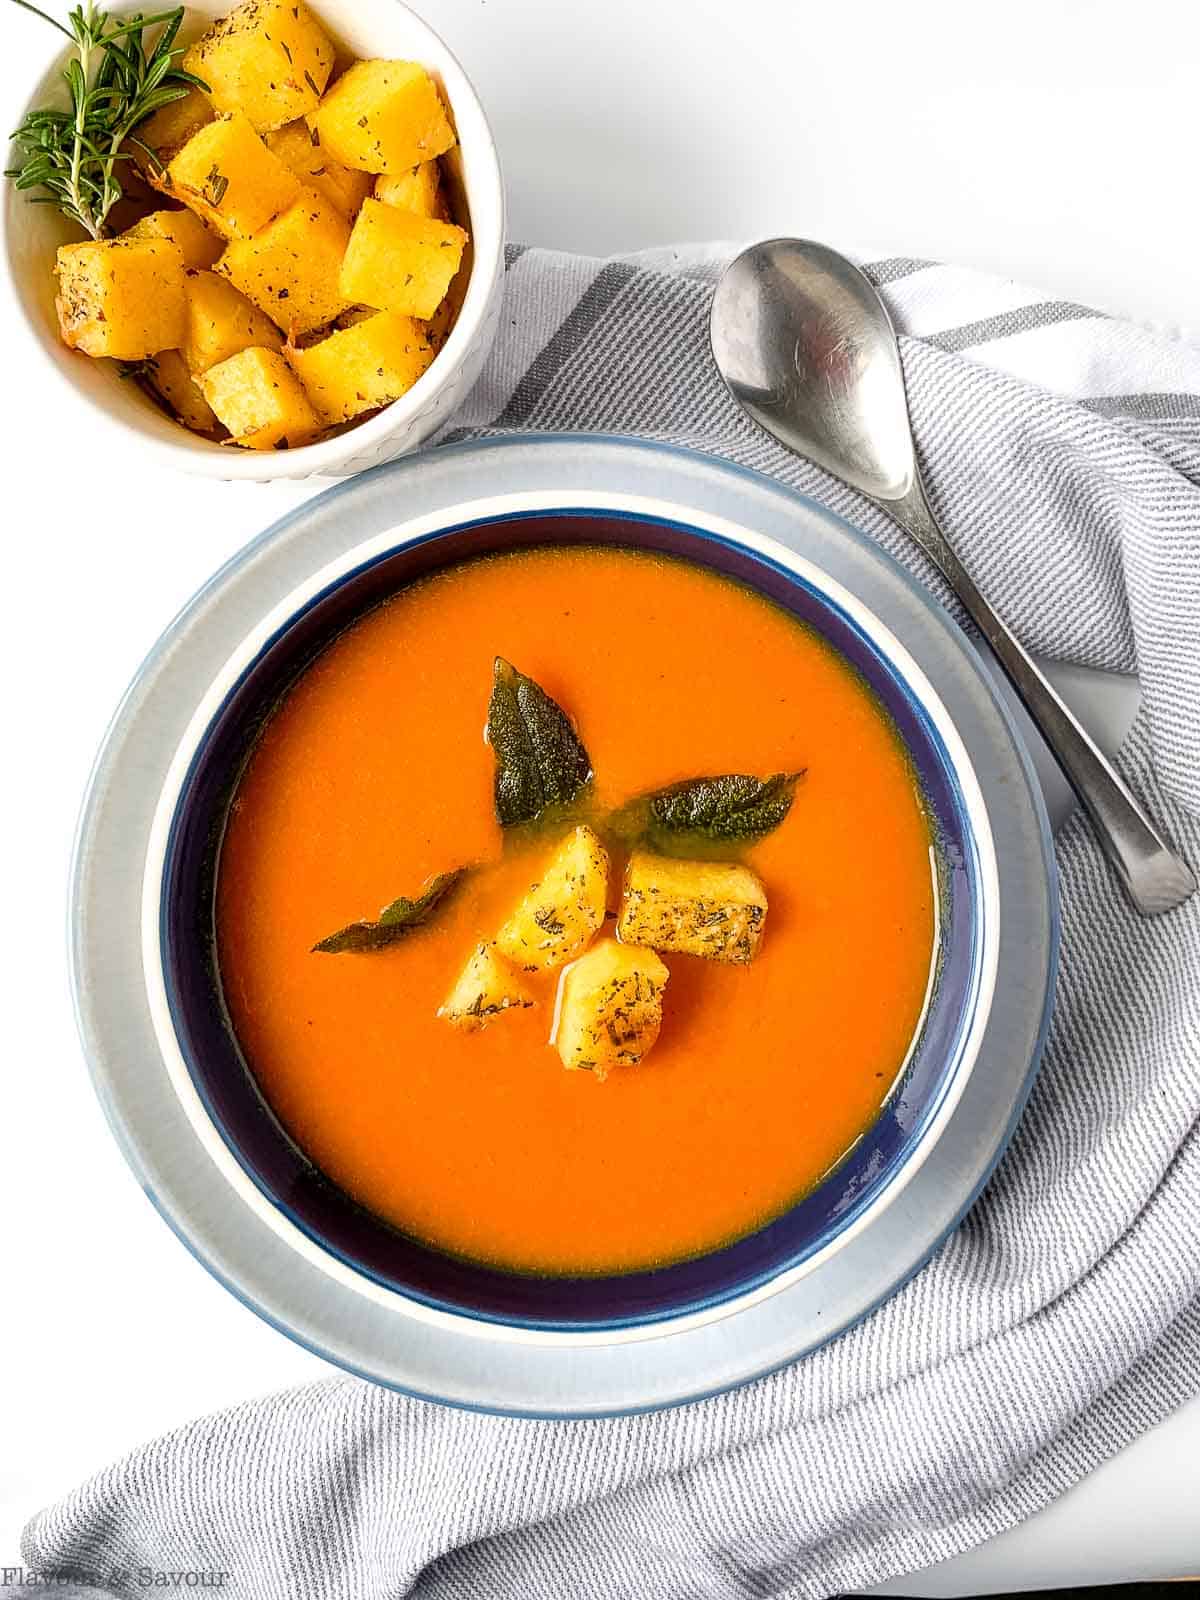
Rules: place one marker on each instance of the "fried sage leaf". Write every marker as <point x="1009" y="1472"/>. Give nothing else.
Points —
<point x="732" y="806"/>
<point x="396" y="921"/>
<point x="540" y="761"/>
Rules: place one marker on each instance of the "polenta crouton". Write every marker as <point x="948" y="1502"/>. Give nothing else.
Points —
<point x="364" y="366"/>
<point x="486" y="987"/>
<point x="398" y="261"/>
<point x="260" y="400"/>
<point x="561" y="912"/>
<point x="228" y="177"/>
<point x="289" y="269"/>
<point x="610" y="1007"/>
<point x="383" y="116"/>
<point x="270" y="59"/>
<point x="122" y="298"/>
<point x="699" y="908"/>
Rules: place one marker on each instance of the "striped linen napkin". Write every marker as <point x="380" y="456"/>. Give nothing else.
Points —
<point x="1063" y="1318"/>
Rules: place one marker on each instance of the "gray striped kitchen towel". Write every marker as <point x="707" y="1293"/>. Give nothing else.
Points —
<point x="1063" y="1317"/>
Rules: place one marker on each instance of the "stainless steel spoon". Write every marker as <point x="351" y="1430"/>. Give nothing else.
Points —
<point x="807" y="348"/>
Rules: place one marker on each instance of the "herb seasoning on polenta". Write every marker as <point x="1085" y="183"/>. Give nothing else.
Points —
<point x="699" y="880"/>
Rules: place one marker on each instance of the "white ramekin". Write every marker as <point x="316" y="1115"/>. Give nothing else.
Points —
<point x="117" y="413"/>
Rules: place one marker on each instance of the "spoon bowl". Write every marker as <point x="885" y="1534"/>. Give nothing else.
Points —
<point x="834" y="390"/>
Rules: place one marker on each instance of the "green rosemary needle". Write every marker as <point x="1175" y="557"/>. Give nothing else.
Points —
<point x="115" y="79"/>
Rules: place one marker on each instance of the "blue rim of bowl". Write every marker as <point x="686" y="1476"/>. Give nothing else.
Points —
<point x="863" y="1194"/>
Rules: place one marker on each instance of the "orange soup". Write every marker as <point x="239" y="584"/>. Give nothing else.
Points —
<point x="373" y="776"/>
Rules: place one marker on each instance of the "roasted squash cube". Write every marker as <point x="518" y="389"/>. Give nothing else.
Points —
<point x="290" y="268"/>
<point x="699" y="908"/>
<point x="228" y="177"/>
<point x="260" y="400"/>
<point x="167" y="130"/>
<point x="198" y="245"/>
<point x="121" y="297"/>
<point x="270" y="59"/>
<point x="383" y="116"/>
<point x="167" y="374"/>
<point x="363" y="367"/>
<point x="221" y="321"/>
<point x="486" y="987"/>
<point x="298" y="149"/>
<point x="400" y="262"/>
<point x="419" y="190"/>
<point x="563" y="909"/>
<point x="610" y="1008"/>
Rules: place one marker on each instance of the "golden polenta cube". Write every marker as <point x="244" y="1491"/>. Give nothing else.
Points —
<point x="123" y="298"/>
<point x="559" y="914"/>
<point x="362" y="367"/>
<point x="400" y="262"/>
<point x="383" y="116"/>
<point x="199" y="245"/>
<point x="260" y="400"/>
<point x="290" y="269"/>
<point x="610" y="1007"/>
<point x="486" y="987"/>
<point x="298" y="147"/>
<point x="228" y="177"/>
<point x="418" y="190"/>
<point x="168" y="375"/>
<point x="221" y="321"/>
<point x="165" y="132"/>
<point x="270" y="59"/>
<point x="699" y="908"/>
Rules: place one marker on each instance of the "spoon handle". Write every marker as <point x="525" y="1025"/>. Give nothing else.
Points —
<point x="1155" y="878"/>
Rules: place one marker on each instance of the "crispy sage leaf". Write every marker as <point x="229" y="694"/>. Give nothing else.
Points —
<point x="540" y="761"/>
<point x="732" y="806"/>
<point x="396" y="921"/>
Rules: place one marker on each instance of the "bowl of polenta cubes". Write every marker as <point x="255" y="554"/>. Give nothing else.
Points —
<point x="301" y="272"/>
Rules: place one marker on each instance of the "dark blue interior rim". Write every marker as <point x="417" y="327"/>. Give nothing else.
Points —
<point x="372" y="1247"/>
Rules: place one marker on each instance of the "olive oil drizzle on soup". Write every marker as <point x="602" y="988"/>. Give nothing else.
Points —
<point x="372" y="776"/>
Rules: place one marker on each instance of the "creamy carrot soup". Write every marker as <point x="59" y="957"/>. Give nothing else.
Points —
<point x="653" y="1012"/>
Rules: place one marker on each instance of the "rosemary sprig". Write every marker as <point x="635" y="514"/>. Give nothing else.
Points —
<point x="115" y="79"/>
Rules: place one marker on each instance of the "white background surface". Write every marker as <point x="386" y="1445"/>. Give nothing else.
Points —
<point x="1052" y="140"/>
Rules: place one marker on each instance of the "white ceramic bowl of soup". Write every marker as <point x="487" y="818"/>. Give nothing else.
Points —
<point x="116" y="415"/>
